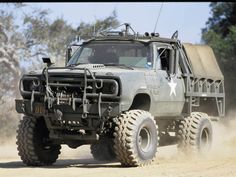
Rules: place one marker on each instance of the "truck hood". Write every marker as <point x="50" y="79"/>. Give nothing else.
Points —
<point x="98" y="69"/>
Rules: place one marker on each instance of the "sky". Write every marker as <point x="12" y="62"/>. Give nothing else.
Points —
<point x="188" y="18"/>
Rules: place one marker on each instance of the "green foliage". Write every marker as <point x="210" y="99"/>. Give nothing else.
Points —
<point x="232" y="39"/>
<point x="224" y="47"/>
<point x="223" y="16"/>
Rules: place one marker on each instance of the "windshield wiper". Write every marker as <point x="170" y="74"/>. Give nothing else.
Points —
<point x="119" y="65"/>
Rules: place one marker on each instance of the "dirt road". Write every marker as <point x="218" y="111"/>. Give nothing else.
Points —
<point x="221" y="161"/>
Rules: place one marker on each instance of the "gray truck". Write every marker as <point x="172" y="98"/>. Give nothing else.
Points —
<point x="125" y="95"/>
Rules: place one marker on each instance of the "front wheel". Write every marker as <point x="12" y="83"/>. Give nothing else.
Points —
<point x="135" y="138"/>
<point x="34" y="145"/>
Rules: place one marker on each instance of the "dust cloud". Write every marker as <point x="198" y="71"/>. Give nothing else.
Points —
<point x="224" y="138"/>
<point x="223" y="145"/>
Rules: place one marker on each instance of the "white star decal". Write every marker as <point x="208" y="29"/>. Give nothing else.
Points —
<point x="172" y="87"/>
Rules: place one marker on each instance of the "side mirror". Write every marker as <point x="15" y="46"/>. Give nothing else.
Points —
<point x="68" y="55"/>
<point x="47" y="61"/>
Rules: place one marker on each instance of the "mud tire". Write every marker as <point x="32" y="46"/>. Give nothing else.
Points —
<point x="195" y="134"/>
<point x="33" y="144"/>
<point x="135" y="138"/>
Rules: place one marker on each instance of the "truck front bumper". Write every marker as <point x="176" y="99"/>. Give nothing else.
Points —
<point x="39" y="109"/>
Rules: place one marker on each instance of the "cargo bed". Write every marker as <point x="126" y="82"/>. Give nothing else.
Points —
<point x="204" y="80"/>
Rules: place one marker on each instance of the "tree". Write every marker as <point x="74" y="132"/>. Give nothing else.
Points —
<point x="220" y="34"/>
<point x="86" y="29"/>
<point x="223" y="17"/>
<point x="45" y="38"/>
<point x="12" y="44"/>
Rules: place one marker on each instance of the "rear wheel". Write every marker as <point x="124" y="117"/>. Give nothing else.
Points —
<point x="33" y="143"/>
<point x="135" y="138"/>
<point x="195" y="133"/>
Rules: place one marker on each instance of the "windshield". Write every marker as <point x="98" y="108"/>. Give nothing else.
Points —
<point x="132" y="54"/>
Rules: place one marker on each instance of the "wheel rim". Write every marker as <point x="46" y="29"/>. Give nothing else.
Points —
<point x="144" y="139"/>
<point x="205" y="140"/>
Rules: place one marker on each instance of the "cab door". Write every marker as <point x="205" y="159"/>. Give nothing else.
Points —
<point x="170" y="100"/>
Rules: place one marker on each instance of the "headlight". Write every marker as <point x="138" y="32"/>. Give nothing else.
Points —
<point x="36" y="83"/>
<point x="31" y="84"/>
<point x="110" y="87"/>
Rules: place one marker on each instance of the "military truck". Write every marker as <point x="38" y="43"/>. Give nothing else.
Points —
<point x="125" y="94"/>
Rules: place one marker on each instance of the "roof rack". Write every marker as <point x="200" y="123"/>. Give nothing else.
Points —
<point x="127" y="33"/>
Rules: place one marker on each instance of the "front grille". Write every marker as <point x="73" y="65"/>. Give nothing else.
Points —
<point x="75" y="85"/>
<point x="70" y="90"/>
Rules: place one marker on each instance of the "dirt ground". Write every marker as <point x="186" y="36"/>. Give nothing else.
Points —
<point x="221" y="161"/>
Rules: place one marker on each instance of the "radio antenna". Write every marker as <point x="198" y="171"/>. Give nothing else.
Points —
<point x="158" y="16"/>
